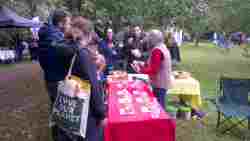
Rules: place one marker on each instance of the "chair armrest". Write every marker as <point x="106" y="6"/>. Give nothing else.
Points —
<point x="212" y="99"/>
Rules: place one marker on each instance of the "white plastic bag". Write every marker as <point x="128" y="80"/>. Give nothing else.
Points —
<point x="70" y="110"/>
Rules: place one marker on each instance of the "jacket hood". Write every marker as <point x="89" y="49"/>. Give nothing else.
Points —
<point x="50" y="32"/>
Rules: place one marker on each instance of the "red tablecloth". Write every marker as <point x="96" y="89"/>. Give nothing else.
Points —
<point x="137" y="127"/>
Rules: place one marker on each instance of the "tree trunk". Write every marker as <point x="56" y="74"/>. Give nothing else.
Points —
<point x="197" y="39"/>
<point x="33" y="9"/>
<point x="116" y="25"/>
<point x="75" y="6"/>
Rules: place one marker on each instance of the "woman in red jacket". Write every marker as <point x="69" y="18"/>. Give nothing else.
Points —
<point x="158" y="66"/>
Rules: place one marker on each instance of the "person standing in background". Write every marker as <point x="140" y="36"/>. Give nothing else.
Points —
<point x="173" y="48"/>
<point x="21" y="45"/>
<point x="134" y="48"/>
<point x="107" y="49"/>
<point x="33" y="47"/>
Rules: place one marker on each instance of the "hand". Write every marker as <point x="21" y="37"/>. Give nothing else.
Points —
<point x="135" y="67"/>
<point x="83" y="43"/>
<point x="136" y="53"/>
<point x="120" y="45"/>
<point x="130" y="40"/>
<point x="114" y="52"/>
<point x="111" y="45"/>
<point x="104" y="122"/>
<point x="139" y="63"/>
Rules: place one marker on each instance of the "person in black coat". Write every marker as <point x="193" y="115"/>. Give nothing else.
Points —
<point x="134" y="48"/>
<point x="53" y="70"/>
<point x="33" y="47"/>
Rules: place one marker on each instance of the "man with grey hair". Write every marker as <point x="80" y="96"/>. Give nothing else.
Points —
<point x="158" y="66"/>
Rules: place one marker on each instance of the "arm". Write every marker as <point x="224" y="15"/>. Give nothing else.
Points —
<point x="64" y="49"/>
<point x="96" y="101"/>
<point x="104" y="49"/>
<point x="155" y="63"/>
<point x="127" y="46"/>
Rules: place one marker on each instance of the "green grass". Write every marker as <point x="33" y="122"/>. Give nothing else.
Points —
<point x="9" y="67"/>
<point x="6" y="66"/>
<point x="207" y="63"/>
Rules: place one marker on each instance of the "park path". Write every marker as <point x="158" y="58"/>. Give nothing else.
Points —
<point x="23" y="104"/>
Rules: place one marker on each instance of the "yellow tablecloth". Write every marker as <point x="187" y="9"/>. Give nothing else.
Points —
<point x="187" y="89"/>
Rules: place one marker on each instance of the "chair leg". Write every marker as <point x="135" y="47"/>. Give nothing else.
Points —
<point x="222" y="122"/>
<point x="234" y="125"/>
<point x="218" y="120"/>
<point x="248" y="123"/>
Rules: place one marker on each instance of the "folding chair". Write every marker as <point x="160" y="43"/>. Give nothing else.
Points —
<point x="232" y="103"/>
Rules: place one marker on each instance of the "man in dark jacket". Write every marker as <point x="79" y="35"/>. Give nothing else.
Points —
<point x="53" y="71"/>
<point x="134" y="47"/>
<point x="55" y="56"/>
<point x="49" y="62"/>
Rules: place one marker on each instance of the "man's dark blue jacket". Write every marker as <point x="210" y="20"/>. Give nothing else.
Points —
<point x="50" y="63"/>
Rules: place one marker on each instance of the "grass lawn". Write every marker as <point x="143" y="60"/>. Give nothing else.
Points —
<point x="6" y="66"/>
<point x="9" y="67"/>
<point x="207" y="63"/>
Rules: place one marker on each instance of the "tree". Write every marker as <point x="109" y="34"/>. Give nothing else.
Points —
<point x="197" y="21"/>
<point x="25" y="8"/>
<point x="230" y="15"/>
<point x="159" y="12"/>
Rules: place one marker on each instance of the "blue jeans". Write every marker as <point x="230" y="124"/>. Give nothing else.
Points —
<point x="160" y="94"/>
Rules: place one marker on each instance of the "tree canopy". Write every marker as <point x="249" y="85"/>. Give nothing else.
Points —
<point x="192" y="15"/>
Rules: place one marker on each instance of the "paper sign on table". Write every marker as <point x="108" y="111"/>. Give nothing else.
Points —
<point x="123" y="112"/>
<point x="124" y="100"/>
<point x="145" y="109"/>
<point x="123" y="92"/>
<point x="139" y="100"/>
<point x="119" y="85"/>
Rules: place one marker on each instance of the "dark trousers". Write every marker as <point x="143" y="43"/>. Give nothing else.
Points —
<point x="160" y="94"/>
<point x="57" y="133"/>
<point x="19" y="56"/>
<point x="175" y="53"/>
<point x="64" y="136"/>
<point x="52" y="92"/>
<point x="33" y="53"/>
